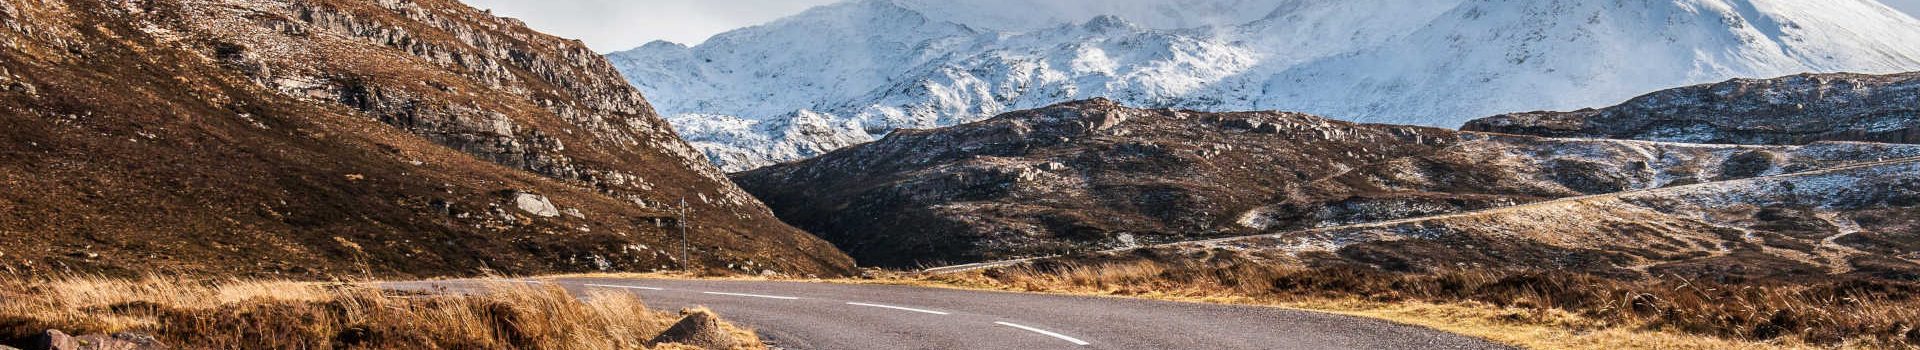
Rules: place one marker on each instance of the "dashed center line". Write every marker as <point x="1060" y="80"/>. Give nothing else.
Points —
<point x="617" y="286"/>
<point x="897" y="308"/>
<point x="752" y="295"/>
<point x="1042" y="331"/>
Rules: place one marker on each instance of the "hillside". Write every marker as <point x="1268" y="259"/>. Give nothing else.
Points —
<point x="331" y="137"/>
<point x="1093" y="175"/>
<point x="851" y="72"/>
<point x="1788" y="110"/>
<point x="1854" y="220"/>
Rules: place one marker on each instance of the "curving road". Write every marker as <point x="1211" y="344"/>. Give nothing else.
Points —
<point x="799" y="315"/>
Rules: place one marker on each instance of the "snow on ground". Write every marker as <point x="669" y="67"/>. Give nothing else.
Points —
<point x="851" y="72"/>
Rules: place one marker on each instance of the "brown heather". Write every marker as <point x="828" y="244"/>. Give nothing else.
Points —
<point x="248" y="314"/>
<point x="1845" y="312"/>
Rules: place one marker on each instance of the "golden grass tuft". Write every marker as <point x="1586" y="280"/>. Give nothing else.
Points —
<point x="248" y="314"/>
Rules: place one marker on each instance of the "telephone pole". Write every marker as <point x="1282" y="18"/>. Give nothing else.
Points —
<point x="686" y="259"/>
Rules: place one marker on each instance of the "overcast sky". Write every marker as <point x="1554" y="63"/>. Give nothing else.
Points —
<point x="1911" y="6"/>
<point x="614" y="25"/>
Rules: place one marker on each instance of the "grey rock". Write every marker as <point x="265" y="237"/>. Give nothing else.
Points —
<point x="53" y="339"/>
<point x="535" y="204"/>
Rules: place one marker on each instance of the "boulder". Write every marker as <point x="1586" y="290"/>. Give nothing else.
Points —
<point x="53" y="339"/>
<point x="535" y="204"/>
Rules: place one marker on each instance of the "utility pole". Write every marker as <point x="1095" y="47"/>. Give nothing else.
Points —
<point x="686" y="259"/>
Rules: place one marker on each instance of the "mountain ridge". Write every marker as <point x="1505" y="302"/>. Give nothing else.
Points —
<point x="1488" y="57"/>
<point x="1094" y="175"/>
<point x="335" y="138"/>
<point x="1787" y="110"/>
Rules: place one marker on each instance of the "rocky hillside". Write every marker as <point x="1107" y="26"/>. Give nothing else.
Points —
<point x="1095" y="175"/>
<point x="1783" y="111"/>
<point x="329" y="137"/>
<point x="1858" y="220"/>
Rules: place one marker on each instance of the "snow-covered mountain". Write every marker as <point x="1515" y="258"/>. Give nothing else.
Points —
<point x="848" y="73"/>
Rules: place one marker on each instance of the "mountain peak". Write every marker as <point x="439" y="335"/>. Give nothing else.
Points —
<point x="663" y="45"/>
<point x="1104" y="23"/>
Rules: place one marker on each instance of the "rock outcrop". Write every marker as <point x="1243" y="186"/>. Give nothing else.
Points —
<point x="1094" y="175"/>
<point x="1790" y="110"/>
<point x="328" y="136"/>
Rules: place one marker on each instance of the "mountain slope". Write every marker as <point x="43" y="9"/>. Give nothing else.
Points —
<point x="321" y="137"/>
<point x="1854" y="220"/>
<point x="1093" y="175"/>
<point x="1788" y="110"/>
<point x="851" y="72"/>
<point x="1505" y="56"/>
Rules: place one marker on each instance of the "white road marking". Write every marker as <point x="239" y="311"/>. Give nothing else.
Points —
<point x="627" y="287"/>
<point x="753" y="295"/>
<point x="1042" y="331"/>
<point x="897" y="308"/>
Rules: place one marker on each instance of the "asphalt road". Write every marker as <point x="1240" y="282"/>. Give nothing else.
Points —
<point x="798" y="315"/>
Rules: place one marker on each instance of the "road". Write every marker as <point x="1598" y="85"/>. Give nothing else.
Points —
<point x="800" y="315"/>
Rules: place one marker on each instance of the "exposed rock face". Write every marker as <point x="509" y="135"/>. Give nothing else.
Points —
<point x="1094" y="175"/>
<point x="1790" y="110"/>
<point x="1859" y="220"/>
<point x="184" y="134"/>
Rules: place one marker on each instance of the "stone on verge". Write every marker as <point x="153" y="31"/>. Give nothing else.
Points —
<point x="535" y="204"/>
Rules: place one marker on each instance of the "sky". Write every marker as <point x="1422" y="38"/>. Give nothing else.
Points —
<point x="615" y="25"/>
<point x="1911" y="6"/>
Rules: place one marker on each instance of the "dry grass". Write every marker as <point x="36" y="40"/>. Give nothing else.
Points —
<point x="239" y="314"/>
<point x="1528" y="308"/>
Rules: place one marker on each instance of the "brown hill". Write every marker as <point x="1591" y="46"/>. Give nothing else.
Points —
<point x="1790" y="110"/>
<point x="391" y="137"/>
<point x="1859" y="220"/>
<point x="1093" y="175"/>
